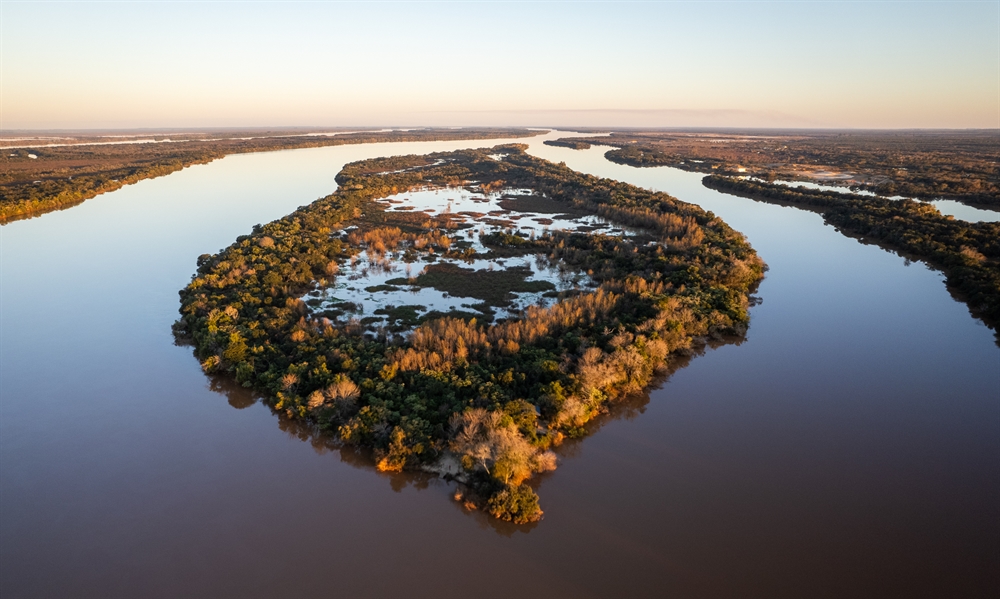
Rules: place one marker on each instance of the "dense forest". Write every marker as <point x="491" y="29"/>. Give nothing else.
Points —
<point x="957" y="165"/>
<point x="481" y="401"/>
<point x="967" y="253"/>
<point x="41" y="179"/>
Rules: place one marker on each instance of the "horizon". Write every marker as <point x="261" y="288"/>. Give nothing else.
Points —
<point x="746" y="65"/>
<point x="568" y="128"/>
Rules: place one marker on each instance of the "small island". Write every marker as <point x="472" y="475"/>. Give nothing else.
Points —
<point x="465" y="312"/>
<point x="568" y="142"/>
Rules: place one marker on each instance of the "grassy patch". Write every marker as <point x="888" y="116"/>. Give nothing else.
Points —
<point x="494" y="287"/>
<point x="484" y="308"/>
<point x="562" y="294"/>
<point x="539" y="204"/>
<point x="377" y="288"/>
<point x="506" y="244"/>
<point x="407" y="316"/>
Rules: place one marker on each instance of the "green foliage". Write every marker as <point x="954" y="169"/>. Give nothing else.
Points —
<point x="516" y="504"/>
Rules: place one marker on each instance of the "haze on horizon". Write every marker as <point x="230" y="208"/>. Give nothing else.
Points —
<point x="88" y="64"/>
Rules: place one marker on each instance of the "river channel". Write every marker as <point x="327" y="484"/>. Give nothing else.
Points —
<point x="849" y="446"/>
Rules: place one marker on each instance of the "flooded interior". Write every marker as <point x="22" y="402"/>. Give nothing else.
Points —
<point x="849" y="446"/>
<point x="375" y="283"/>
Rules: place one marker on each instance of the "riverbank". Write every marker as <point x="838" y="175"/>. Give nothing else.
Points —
<point x="928" y="165"/>
<point x="40" y="179"/>
<point x="967" y="253"/>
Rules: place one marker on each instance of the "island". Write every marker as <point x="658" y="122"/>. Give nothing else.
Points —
<point x="465" y="312"/>
<point x="568" y="142"/>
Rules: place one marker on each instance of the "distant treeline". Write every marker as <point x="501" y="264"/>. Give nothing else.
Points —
<point x="967" y="253"/>
<point x="61" y="177"/>
<point x="958" y="165"/>
<point x="490" y="400"/>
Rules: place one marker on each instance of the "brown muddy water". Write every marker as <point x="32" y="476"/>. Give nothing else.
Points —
<point x="849" y="446"/>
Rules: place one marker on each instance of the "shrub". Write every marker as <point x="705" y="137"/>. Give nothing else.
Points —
<point x="515" y="504"/>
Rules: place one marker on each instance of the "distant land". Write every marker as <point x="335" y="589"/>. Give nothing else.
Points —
<point x="42" y="171"/>
<point x="925" y="164"/>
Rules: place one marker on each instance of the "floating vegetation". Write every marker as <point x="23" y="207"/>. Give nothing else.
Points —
<point x="469" y="335"/>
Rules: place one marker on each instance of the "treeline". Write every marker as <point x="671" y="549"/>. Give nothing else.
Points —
<point x="61" y="177"/>
<point x="967" y="253"/>
<point x="25" y="199"/>
<point x="958" y="165"/>
<point x="491" y="399"/>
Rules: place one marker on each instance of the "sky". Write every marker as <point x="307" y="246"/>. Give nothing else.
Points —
<point x="128" y="64"/>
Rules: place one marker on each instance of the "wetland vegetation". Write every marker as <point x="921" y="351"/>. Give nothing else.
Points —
<point x="465" y="312"/>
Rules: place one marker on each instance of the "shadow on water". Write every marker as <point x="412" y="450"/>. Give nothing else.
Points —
<point x="626" y="408"/>
<point x="324" y="443"/>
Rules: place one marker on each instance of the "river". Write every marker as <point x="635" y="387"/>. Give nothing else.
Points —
<point x="849" y="446"/>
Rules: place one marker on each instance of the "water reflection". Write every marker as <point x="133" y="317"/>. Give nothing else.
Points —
<point x="627" y="408"/>
<point x="238" y="396"/>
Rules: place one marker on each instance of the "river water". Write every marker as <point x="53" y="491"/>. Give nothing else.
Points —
<point x="849" y="446"/>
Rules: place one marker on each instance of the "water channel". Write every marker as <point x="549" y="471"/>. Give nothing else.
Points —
<point x="849" y="446"/>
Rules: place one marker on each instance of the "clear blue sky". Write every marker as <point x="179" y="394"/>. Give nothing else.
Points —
<point x="186" y="64"/>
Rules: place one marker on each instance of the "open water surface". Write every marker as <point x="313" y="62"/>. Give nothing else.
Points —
<point x="850" y="446"/>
